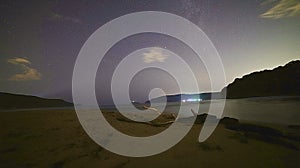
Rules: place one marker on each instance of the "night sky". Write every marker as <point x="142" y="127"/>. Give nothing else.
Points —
<point x="40" y="40"/>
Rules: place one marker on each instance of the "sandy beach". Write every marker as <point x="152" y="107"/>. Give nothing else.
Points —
<point x="55" y="138"/>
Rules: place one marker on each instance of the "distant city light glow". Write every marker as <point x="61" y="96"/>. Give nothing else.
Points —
<point x="192" y="100"/>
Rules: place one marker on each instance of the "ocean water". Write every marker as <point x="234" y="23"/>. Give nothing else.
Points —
<point x="278" y="110"/>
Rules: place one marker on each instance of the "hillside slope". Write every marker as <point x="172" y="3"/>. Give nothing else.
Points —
<point x="15" y="101"/>
<point x="281" y="81"/>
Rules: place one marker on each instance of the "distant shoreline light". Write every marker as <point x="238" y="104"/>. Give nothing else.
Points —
<point x="192" y="100"/>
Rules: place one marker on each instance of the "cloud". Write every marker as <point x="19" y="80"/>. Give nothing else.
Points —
<point x="154" y="54"/>
<point x="56" y="16"/>
<point x="16" y="61"/>
<point x="28" y="72"/>
<point x="282" y="9"/>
